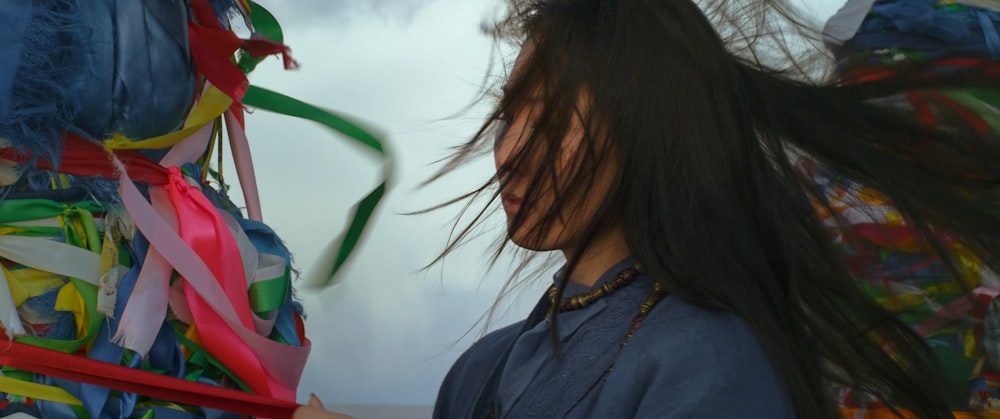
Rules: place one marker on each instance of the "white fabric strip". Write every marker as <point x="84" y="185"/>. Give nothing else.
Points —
<point x="844" y="24"/>
<point x="8" y="310"/>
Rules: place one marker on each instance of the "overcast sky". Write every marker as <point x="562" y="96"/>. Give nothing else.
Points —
<point x="387" y="332"/>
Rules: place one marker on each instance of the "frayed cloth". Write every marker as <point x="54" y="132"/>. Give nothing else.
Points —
<point x="38" y="101"/>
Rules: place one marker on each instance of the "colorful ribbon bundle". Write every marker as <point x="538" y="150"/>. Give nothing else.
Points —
<point x="874" y="39"/>
<point x="130" y="286"/>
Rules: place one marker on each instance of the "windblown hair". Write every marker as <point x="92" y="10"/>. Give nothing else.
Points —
<point x="703" y="128"/>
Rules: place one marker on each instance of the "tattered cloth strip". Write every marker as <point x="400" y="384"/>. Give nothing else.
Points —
<point x="892" y="261"/>
<point x="129" y="285"/>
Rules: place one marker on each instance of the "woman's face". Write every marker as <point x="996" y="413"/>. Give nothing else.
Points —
<point x="576" y="211"/>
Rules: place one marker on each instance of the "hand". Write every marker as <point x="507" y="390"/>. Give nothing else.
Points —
<point x="314" y="410"/>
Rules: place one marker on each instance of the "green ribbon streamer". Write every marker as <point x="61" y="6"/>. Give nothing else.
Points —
<point x="272" y="101"/>
<point x="34" y="231"/>
<point x="979" y="102"/>
<point x="17" y="374"/>
<point x="957" y="369"/>
<point x="92" y="239"/>
<point x="267" y="26"/>
<point x="278" y="103"/>
<point x="80" y="411"/>
<point x="278" y="337"/>
<point x="15" y="210"/>
<point x="202" y="358"/>
<point x="264" y="24"/>
<point x="269" y="295"/>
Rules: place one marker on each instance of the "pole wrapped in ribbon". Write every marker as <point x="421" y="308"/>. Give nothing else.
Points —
<point x="129" y="286"/>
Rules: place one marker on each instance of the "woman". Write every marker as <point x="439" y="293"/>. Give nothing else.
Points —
<point x="700" y="281"/>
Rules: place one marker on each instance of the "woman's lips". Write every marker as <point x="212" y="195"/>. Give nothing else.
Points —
<point x="511" y="202"/>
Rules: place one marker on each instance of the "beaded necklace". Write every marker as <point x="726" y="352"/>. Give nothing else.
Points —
<point x="583" y="300"/>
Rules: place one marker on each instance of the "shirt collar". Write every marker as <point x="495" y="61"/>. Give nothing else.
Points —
<point x="572" y="288"/>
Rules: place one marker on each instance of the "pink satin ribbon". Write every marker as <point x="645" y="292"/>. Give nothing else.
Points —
<point x="206" y="233"/>
<point x="244" y="164"/>
<point x="215" y="286"/>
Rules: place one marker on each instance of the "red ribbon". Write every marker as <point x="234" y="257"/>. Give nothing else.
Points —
<point x="212" y="49"/>
<point x="923" y="110"/>
<point x="260" y="47"/>
<point x="931" y="70"/>
<point x="81" y="369"/>
<point x="83" y="157"/>
<point x="975" y="121"/>
<point x="893" y="237"/>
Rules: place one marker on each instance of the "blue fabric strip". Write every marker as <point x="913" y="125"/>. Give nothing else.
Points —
<point x="14" y="16"/>
<point x="989" y="33"/>
<point x="96" y="398"/>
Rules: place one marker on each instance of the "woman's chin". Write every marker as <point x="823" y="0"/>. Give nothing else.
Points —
<point x="527" y="242"/>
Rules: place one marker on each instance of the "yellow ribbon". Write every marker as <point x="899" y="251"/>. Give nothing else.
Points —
<point x="213" y="103"/>
<point x="26" y="283"/>
<point x="69" y="299"/>
<point x="37" y="391"/>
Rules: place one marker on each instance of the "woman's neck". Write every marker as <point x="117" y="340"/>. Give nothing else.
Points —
<point x="604" y="251"/>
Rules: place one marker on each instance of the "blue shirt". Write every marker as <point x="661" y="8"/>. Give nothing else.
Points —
<point x="683" y="361"/>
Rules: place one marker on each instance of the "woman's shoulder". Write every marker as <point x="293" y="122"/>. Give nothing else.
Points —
<point x="489" y="349"/>
<point x="683" y="338"/>
<point x="460" y="389"/>
<point x="708" y="361"/>
<point x="679" y="324"/>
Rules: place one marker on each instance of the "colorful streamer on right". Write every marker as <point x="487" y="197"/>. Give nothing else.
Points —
<point x="878" y="38"/>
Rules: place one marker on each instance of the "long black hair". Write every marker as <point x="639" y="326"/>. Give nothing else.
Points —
<point x="703" y="130"/>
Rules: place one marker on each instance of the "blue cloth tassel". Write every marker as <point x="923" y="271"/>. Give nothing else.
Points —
<point x="43" y="49"/>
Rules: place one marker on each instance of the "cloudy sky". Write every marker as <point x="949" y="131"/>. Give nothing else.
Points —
<point x="387" y="332"/>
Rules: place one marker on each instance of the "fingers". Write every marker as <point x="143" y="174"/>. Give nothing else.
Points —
<point x="308" y="412"/>
<point x="314" y="401"/>
<point x="314" y="410"/>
